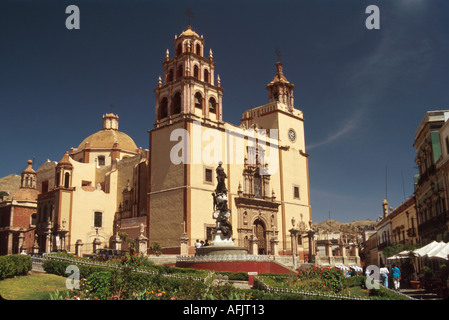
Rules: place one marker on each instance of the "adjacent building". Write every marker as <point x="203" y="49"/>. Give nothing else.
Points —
<point x="18" y="215"/>
<point x="84" y="199"/>
<point x="431" y="139"/>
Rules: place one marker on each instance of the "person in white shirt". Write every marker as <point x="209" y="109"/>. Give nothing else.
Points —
<point x="384" y="276"/>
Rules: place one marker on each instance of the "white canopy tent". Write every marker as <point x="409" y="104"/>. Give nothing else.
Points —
<point x="431" y="250"/>
<point x="424" y="251"/>
<point x="441" y="251"/>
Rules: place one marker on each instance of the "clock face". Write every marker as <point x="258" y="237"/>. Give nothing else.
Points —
<point x="292" y="135"/>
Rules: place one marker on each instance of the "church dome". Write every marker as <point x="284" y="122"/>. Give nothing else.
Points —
<point x="109" y="137"/>
<point x="189" y="32"/>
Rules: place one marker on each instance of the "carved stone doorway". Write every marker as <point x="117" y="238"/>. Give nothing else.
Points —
<point x="260" y="234"/>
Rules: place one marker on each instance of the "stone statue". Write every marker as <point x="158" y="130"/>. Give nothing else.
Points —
<point x="221" y="210"/>
<point x="221" y="177"/>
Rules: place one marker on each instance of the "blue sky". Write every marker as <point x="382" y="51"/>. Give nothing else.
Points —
<point x="363" y="92"/>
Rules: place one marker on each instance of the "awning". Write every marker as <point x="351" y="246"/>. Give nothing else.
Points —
<point x="440" y="251"/>
<point x="423" y="251"/>
<point x="356" y="268"/>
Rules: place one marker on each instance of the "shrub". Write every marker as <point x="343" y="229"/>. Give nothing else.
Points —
<point x="14" y="265"/>
<point x="100" y="284"/>
<point x="356" y="281"/>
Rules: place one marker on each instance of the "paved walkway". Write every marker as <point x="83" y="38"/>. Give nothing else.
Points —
<point x="420" y="294"/>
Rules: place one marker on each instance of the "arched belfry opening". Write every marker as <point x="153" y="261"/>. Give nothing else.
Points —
<point x="189" y="83"/>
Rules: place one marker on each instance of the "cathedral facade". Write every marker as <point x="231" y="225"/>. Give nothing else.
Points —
<point x="264" y="157"/>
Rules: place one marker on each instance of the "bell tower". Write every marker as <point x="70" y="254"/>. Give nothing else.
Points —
<point x="188" y="88"/>
<point x="280" y="89"/>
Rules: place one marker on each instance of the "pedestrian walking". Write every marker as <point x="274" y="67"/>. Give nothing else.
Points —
<point x="384" y="276"/>
<point x="396" y="275"/>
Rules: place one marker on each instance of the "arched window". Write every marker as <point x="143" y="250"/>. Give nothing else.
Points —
<point x="33" y="219"/>
<point x="198" y="101"/>
<point x="67" y="180"/>
<point x="257" y="186"/>
<point x="98" y="219"/>
<point x="177" y="103"/>
<point x="198" y="49"/>
<point x="196" y="72"/>
<point x="163" y="108"/>
<point x="179" y="73"/>
<point x="179" y="49"/>
<point x="170" y="76"/>
<point x="212" y="105"/>
<point x="206" y="75"/>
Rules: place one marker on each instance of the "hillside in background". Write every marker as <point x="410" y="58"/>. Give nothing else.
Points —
<point x="10" y="183"/>
<point x="332" y="225"/>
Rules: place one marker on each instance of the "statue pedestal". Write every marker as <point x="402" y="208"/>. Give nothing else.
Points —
<point x="221" y="246"/>
<point x="220" y="240"/>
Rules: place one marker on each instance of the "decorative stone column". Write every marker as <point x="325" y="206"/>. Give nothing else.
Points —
<point x="294" y="241"/>
<point x="342" y="247"/>
<point x="184" y="245"/>
<point x="35" y="245"/>
<point x="356" y="249"/>
<point x="274" y="246"/>
<point x="116" y="242"/>
<point x="329" y="248"/>
<point x="78" y="248"/>
<point x="48" y="241"/>
<point x="22" y="247"/>
<point x="96" y="244"/>
<point x="253" y="245"/>
<point x="312" y="246"/>
<point x="142" y="241"/>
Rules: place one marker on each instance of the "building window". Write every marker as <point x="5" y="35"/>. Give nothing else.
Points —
<point x="163" y="108"/>
<point x="208" y="175"/>
<point x="101" y="160"/>
<point x="198" y="100"/>
<point x="177" y="103"/>
<point x="447" y="145"/>
<point x="98" y="217"/>
<point x="212" y="105"/>
<point x="33" y="219"/>
<point x="296" y="192"/>
<point x="206" y="76"/>
<point x="180" y="72"/>
<point x="44" y="186"/>
<point x="257" y="186"/>
<point x="67" y="180"/>
<point x="85" y="183"/>
<point x="196" y="72"/>
<point x="170" y="75"/>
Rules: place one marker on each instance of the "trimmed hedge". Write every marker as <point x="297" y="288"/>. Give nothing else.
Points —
<point x="14" y="265"/>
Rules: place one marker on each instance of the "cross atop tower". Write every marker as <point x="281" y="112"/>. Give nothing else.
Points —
<point x="278" y="54"/>
<point x="189" y="14"/>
